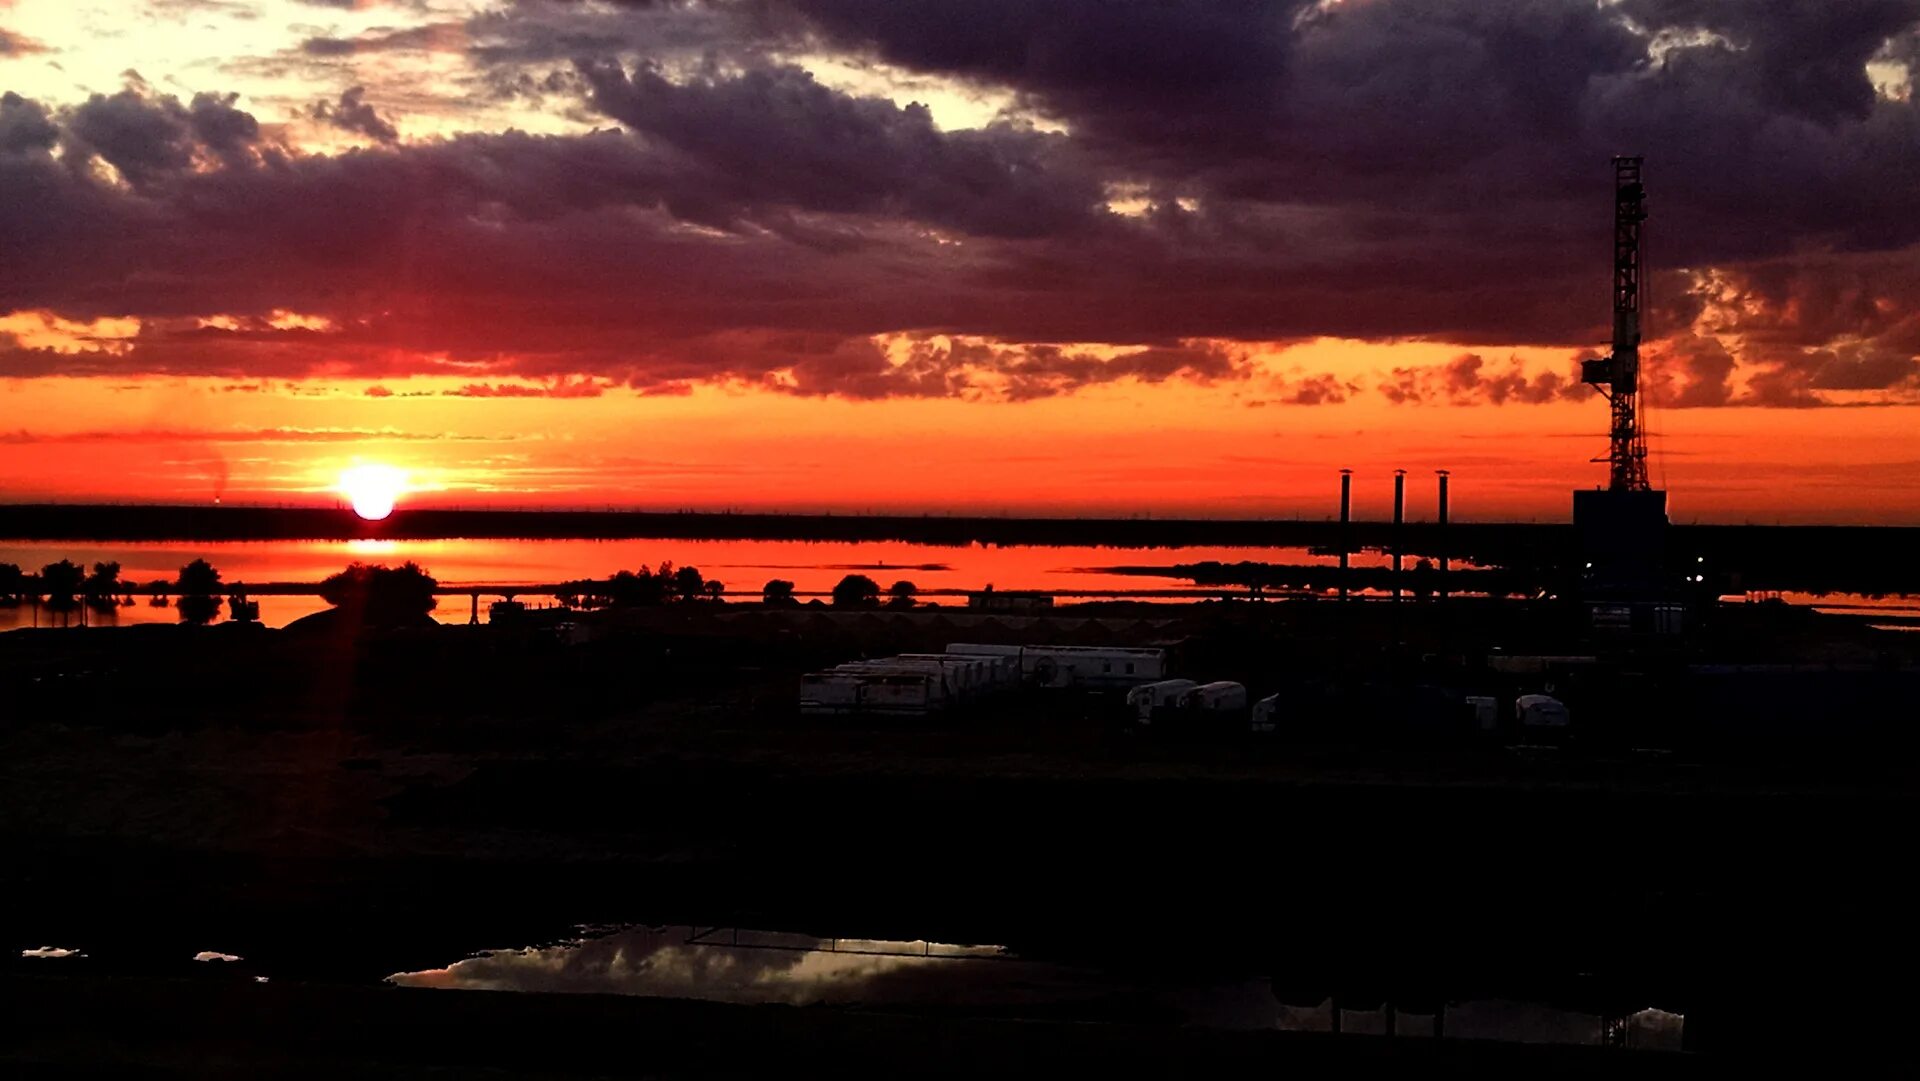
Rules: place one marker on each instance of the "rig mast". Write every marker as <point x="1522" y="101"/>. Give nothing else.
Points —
<point x="1618" y="376"/>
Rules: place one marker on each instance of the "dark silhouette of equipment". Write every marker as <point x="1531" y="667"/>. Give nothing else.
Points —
<point x="1623" y="526"/>
<point x="1399" y="519"/>
<point x="1618" y="376"/>
<point x="1346" y="526"/>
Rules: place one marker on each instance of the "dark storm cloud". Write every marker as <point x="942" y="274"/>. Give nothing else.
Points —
<point x="1183" y="75"/>
<point x="1377" y="169"/>
<point x="353" y="113"/>
<point x="25" y="126"/>
<point x="776" y="135"/>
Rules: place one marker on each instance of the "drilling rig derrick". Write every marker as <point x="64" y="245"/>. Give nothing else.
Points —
<point x="1623" y="527"/>
<point x="1618" y="376"/>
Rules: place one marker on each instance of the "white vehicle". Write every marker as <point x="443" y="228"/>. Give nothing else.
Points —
<point x="1540" y="711"/>
<point x="1220" y="696"/>
<point x="1144" y="701"/>
<point x="1486" y="712"/>
<point x="1266" y="714"/>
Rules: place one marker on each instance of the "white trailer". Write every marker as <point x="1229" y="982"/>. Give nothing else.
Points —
<point x="1266" y="714"/>
<point x="1220" y="696"/>
<point x="1540" y="711"/>
<point x="942" y="691"/>
<point x="1148" y="699"/>
<point x="972" y="675"/>
<point x="1092" y="666"/>
<point x="829" y="693"/>
<point x="901" y="693"/>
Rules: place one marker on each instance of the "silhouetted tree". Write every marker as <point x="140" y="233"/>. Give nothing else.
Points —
<point x="60" y="581"/>
<point x="199" y="589"/>
<point x="1423" y="574"/>
<point x="688" y="584"/>
<point x="103" y="585"/>
<point x="777" y="593"/>
<point x="13" y="584"/>
<point x="856" y="591"/>
<point x="629" y="589"/>
<point x="900" y="594"/>
<point x="382" y="595"/>
<point x="715" y="587"/>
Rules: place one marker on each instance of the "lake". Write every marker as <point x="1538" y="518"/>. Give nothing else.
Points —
<point x="743" y="565"/>
<point x="942" y="572"/>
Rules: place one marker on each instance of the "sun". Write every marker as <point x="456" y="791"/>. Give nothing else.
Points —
<point x="372" y="489"/>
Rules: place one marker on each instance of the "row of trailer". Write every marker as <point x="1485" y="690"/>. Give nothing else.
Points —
<point x="921" y="684"/>
<point x="1224" y="704"/>
<point x="917" y="684"/>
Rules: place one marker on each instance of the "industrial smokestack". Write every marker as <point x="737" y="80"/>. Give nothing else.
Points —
<point x="1440" y="540"/>
<point x="1346" y="524"/>
<point x="1399" y="516"/>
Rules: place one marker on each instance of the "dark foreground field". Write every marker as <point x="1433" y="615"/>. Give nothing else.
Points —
<point x="336" y="811"/>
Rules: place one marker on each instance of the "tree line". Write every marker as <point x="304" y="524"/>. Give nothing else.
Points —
<point x="66" y="586"/>
<point x="382" y="594"/>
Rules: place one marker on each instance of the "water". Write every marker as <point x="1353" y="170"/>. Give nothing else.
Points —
<point x="940" y="572"/>
<point x="743" y="565"/>
<point x="742" y="966"/>
<point x="758" y="967"/>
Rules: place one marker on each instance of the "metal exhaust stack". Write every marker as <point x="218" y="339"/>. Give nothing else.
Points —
<point x="1399" y="516"/>
<point x="1440" y="540"/>
<point x="1346" y="526"/>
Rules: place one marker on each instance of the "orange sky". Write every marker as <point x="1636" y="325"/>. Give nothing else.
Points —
<point x="1172" y="449"/>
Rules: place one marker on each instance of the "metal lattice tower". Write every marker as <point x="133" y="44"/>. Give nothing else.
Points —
<point x="1618" y="376"/>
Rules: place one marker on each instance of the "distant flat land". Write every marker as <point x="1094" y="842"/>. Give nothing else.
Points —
<point x="1853" y="559"/>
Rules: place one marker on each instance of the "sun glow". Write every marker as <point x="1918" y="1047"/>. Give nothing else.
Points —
<point x="373" y="489"/>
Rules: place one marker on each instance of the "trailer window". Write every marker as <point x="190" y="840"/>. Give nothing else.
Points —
<point x="1106" y="666"/>
<point x="1129" y="667"/>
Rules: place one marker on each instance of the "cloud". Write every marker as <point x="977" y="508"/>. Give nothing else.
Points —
<point x="23" y="437"/>
<point x="562" y="387"/>
<point x="352" y="113"/>
<point x="12" y="44"/>
<point x="440" y="37"/>
<point x="765" y="205"/>
<point x="1686" y="371"/>
<point x="774" y="136"/>
<point x="1467" y="380"/>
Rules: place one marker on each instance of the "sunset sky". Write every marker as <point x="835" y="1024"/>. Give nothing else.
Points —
<point x="1076" y="256"/>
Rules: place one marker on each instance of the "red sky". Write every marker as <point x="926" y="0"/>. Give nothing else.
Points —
<point x="932" y="255"/>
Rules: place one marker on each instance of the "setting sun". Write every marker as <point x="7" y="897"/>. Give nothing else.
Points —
<point x="372" y="489"/>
